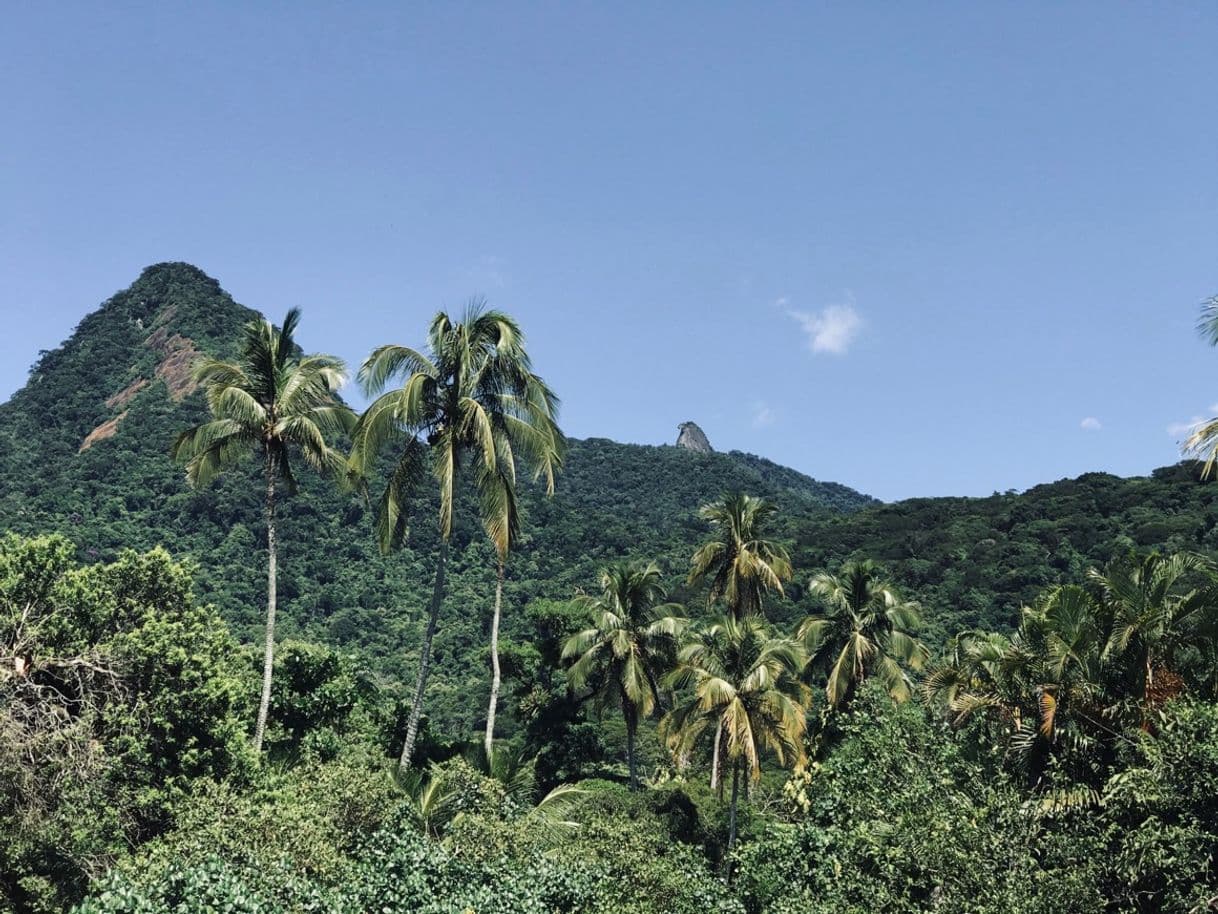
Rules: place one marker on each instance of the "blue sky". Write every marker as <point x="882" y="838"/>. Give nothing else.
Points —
<point x="920" y="249"/>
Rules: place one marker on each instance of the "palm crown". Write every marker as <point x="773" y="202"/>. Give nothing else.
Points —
<point x="866" y="629"/>
<point x="472" y="394"/>
<point x="742" y="566"/>
<point x="1156" y="606"/>
<point x="272" y="398"/>
<point x="741" y="674"/>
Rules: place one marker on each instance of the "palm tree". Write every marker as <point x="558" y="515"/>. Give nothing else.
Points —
<point x="275" y="401"/>
<point x="1202" y="444"/>
<point x="621" y="655"/>
<point x="1156" y="606"/>
<point x="976" y="673"/>
<point x="1043" y="687"/>
<point x="866" y="629"/>
<point x="469" y="403"/>
<point x="745" y="681"/>
<point x="543" y="444"/>
<point x="741" y="564"/>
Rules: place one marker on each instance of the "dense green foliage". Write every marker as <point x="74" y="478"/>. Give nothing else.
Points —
<point x="906" y="814"/>
<point x="897" y="809"/>
<point x="120" y="695"/>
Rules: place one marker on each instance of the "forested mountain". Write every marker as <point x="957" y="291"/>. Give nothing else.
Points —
<point x="84" y="450"/>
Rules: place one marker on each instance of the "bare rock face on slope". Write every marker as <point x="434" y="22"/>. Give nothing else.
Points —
<point x="693" y="438"/>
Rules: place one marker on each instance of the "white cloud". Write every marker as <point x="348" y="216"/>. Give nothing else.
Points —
<point x="1184" y="429"/>
<point x="763" y="415"/>
<point x="1091" y="424"/>
<point x="830" y="330"/>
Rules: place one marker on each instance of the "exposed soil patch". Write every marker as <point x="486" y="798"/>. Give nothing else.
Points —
<point x="103" y="431"/>
<point x="177" y="364"/>
<point x="124" y="396"/>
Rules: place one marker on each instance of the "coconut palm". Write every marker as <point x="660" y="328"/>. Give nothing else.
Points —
<point x="976" y="673"/>
<point x="471" y="405"/>
<point x="866" y="629"/>
<point x="741" y="565"/>
<point x="501" y="518"/>
<point x="743" y="681"/>
<point x="624" y="651"/>
<point x="276" y="402"/>
<point x="1202" y="444"/>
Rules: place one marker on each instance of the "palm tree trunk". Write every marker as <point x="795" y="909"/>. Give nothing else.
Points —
<point x="268" y="654"/>
<point x="715" y="779"/>
<point x="416" y="709"/>
<point x="495" y="677"/>
<point x="731" y="829"/>
<point x="632" y="723"/>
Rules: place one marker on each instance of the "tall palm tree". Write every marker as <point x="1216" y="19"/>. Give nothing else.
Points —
<point x="543" y="445"/>
<point x="866" y="629"/>
<point x="622" y="653"/>
<point x="745" y="681"/>
<point x="742" y="566"/>
<point x="276" y="402"/>
<point x="1156" y="606"/>
<point x="469" y="404"/>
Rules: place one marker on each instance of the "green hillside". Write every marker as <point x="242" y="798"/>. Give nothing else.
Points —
<point x="84" y="451"/>
<point x="974" y="561"/>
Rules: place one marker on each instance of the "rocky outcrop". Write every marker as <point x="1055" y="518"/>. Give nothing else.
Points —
<point x="103" y="431"/>
<point x="127" y="394"/>
<point x="176" y="366"/>
<point x="693" y="438"/>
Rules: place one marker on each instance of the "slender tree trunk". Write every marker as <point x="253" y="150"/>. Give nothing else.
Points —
<point x="268" y="654"/>
<point x="416" y="709"/>
<point x="1147" y="688"/>
<point x="731" y="829"/>
<point x="632" y="723"/>
<point x="715" y="780"/>
<point x="495" y="677"/>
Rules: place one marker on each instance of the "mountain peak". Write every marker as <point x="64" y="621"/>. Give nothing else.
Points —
<point x="124" y="361"/>
<point x="692" y="438"/>
<point x="175" y="269"/>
